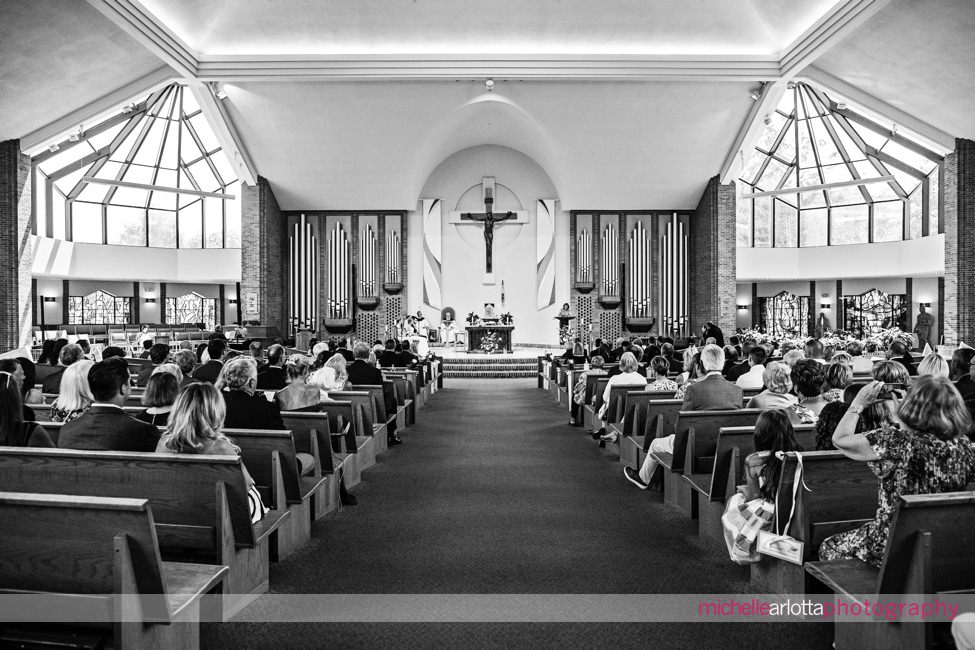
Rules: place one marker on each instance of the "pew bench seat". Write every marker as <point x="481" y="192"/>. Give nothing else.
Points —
<point x="850" y="578"/>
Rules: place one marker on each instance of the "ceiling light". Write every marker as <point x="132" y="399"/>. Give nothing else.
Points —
<point x="791" y="85"/>
<point x="755" y="95"/>
<point x="840" y="106"/>
<point x="489" y="84"/>
<point x="54" y="147"/>
<point x="74" y="136"/>
<point x="767" y="120"/>
<point x="128" y="108"/>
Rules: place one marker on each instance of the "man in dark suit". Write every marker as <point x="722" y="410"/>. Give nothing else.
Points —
<point x="209" y="371"/>
<point x="389" y="358"/>
<point x="898" y="352"/>
<point x="245" y="408"/>
<point x="711" y="393"/>
<point x="105" y="426"/>
<point x="158" y="354"/>
<point x="404" y="356"/>
<point x="711" y="330"/>
<point x="272" y="377"/>
<point x="146" y="345"/>
<point x="361" y="372"/>
<point x="345" y="351"/>
<point x="69" y="354"/>
<point x="737" y="371"/>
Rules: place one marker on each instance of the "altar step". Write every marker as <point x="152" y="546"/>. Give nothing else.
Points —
<point x="489" y="367"/>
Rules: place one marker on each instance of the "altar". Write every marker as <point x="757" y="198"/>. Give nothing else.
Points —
<point x="489" y="339"/>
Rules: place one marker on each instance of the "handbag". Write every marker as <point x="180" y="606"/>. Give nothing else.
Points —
<point x="784" y="546"/>
<point x="258" y="509"/>
<point x="741" y="523"/>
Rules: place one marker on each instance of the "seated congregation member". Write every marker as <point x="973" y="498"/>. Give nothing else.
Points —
<point x="194" y="427"/>
<point x="814" y="350"/>
<point x="961" y="366"/>
<point x="929" y="454"/>
<point x="245" y="408"/>
<point x="575" y="353"/>
<point x="158" y="354"/>
<point x="272" y="377"/>
<point x="777" y="380"/>
<point x="146" y="346"/>
<point x="696" y="374"/>
<point x="898" y="352"/>
<point x="388" y="358"/>
<point x="185" y="360"/>
<point x="112" y="351"/>
<point x="161" y="392"/>
<point x="105" y="426"/>
<point x="14" y="430"/>
<point x="18" y="369"/>
<point x="791" y="357"/>
<point x="343" y="349"/>
<point x="70" y="353"/>
<point x="256" y="350"/>
<point x="752" y="508"/>
<point x="843" y="358"/>
<point x="361" y="373"/>
<point x="579" y="390"/>
<point x="861" y="365"/>
<point x="687" y="366"/>
<point x="934" y="365"/>
<point x="47" y="353"/>
<point x="712" y="392"/>
<point x="756" y="368"/>
<point x="807" y="381"/>
<point x="882" y="412"/>
<point x="835" y="381"/>
<point x="731" y="359"/>
<point x="209" y="371"/>
<point x="658" y="381"/>
<point x="605" y="351"/>
<point x="734" y="372"/>
<point x="405" y="356"/>
<point x="298" y="395"/>
<point x="75" y="397"/>
<point x="629" y="376"/>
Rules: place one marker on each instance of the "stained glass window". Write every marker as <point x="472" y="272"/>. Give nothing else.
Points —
<point x="785" y="314"/>
<point x="872" y="174"/>
<point x="871" y="312"/>
<point x="192" y="308"/>
<point x="99" y="308"/>
<point x="161" y="141"/>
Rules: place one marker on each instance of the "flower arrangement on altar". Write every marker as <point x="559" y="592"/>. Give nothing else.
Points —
<point x="507" y="318"/>
<point x="491" y="342"/>
<point x="473" y="319"/>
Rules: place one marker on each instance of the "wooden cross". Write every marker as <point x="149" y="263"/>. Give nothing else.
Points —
<point x="489" y="219"/>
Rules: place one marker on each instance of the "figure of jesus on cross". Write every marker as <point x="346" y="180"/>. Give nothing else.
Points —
<point x="489" y="219"/>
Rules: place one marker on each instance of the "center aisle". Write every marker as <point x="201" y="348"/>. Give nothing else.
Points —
<point x="493" y="492"/>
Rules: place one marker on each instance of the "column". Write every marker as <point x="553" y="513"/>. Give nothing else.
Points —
<point x="15" y="250"/>
<point x="958" y="219"/>
<point x="712" y="259"/>
<point x="262" y="257"/>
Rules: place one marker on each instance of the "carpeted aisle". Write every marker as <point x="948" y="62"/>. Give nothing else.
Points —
<point x="492" y="493"/>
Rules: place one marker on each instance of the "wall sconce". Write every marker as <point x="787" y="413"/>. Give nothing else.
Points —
<point x="824" y="305"/>
<point x="150" y="300"/>
<point x="926" y="304"/>
<point x="232" y="301"/>
<point x="50" y="299"/>
<point x="742" y="306"/>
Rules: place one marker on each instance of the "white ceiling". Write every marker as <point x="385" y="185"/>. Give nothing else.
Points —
<point x="56" y="56"/>
<point x="918" y="56"/>
<point x="260" y="27"/>
<point x="328" y="142"/>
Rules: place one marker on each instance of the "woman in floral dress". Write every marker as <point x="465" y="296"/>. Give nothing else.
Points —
<point x="930" y="454"/>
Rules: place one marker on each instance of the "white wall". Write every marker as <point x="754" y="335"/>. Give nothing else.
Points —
<point x="56" y="258"/>
<point x="514" y="244"/>
<point x="912" y="258"/>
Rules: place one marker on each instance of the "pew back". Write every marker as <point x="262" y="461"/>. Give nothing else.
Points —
<point x="696" y="434"/>
<point x="733" y="447"/>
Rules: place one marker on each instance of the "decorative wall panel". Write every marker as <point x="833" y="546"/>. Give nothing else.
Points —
<point x="545" y="253"/>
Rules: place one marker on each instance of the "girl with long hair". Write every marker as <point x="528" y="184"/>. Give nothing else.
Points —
<point x="14" y="431"/>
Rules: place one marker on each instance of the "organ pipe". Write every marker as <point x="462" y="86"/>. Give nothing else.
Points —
<point x="303" y="263"/>
<point x="339" y="273"/>
<point x="367" y="262"/>
<point x="638" y="274"/>
<point x="609" y="240"/>
<point x="674" y="278"/>
<point x="584" y="255"/>
<point x="392" y="256"/>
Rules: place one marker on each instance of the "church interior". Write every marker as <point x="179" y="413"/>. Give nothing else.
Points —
<point x="501" y="323"/>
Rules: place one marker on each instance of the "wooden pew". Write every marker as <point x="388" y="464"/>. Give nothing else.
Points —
<point x="929" y="551"/>
<point x="313" y="434"/>
<point x="42" y="412"/>
<point x="405" y="397"/>
<point x="619" y="406"/>
<point x="350" y="445"/>
<point x="695" y="435"/>
<point x="372" y="428"/>
<point x="81" y="553"/>
<point x="383" y="411"/>
<point x="598" y="390"/>
<point x="588" y="410"/>
<point x="199" y="503"/>
<point x="712" y="489"/>
<point x="842" y="495"/>
<point x="650" y="418"/>
<point x="258" y="448"/>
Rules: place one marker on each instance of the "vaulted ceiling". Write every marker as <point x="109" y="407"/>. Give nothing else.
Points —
<point x="347" y="104"/>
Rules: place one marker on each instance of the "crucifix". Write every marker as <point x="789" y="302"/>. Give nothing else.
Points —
<point x="488" y="218"/>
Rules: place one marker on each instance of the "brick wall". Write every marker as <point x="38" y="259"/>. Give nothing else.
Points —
<point x="262" y="255"/>
<point x="711" y="258"/>
<point x="16" y="255"/>
<point x="958" y="312"/>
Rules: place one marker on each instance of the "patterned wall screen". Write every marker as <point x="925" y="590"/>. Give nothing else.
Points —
<point x="610" y="325"/>
<point x="873" y="311"/>
<point x="192" y="308"/>
<point x="367" y="327"/>
<point x="394" y="311"/>
<point x="785" y="314"/>
<point x="99" y="307"/>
